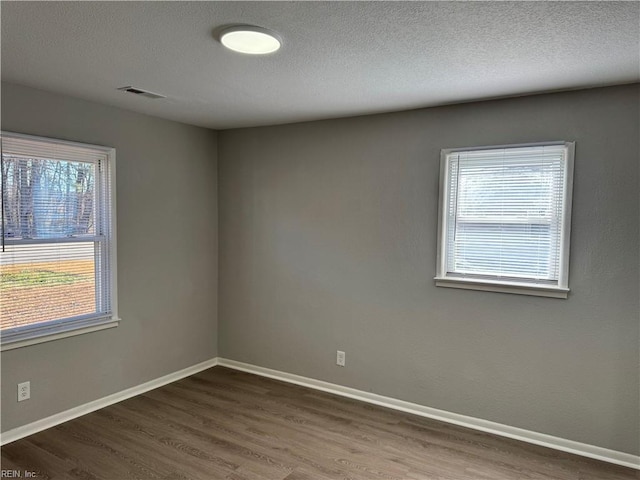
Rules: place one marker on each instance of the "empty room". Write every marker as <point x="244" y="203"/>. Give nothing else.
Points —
<point x="320" y="240"/>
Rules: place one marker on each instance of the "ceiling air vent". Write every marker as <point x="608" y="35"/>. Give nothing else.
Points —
<point x="142" y="93"/>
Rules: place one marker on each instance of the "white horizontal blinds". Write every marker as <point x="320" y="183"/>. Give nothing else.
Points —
<point x="505" y="212"/>
<point x="49" y="149"/>
<point x="102" y="248"/>
<point x="452" y="205"/>
<point x="55" y="217"/>
<point x="49" y="189"/>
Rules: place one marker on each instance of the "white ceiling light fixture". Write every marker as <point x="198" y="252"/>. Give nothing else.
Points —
<point x="250" y="39"/>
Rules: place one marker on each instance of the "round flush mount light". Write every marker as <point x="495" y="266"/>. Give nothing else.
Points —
<point x="250" y="39"/>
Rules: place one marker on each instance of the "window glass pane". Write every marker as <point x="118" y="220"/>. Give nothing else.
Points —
<point x="57" y="253"/>
<point x="505" y="212"/>
<point x="39" y="283"/>
<point x="48" y="198"/>
<point x="505" y="250"/>
<point x="514" y="191"/>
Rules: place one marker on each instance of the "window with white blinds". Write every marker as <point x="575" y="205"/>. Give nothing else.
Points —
<point x="57" y="258"/>
<point x="505" y="218"/>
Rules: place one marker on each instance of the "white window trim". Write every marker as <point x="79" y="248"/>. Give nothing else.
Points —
<point x="62" y="329"/>
<point x="494" y="284"/>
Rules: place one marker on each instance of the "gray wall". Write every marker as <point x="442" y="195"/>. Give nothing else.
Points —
<point x="167" y="257"/>
<point x="328" y="241"/>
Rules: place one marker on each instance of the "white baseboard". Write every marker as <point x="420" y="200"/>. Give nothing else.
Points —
<point x="58" y="418"/>
<point x="583" y="449"/>
<point x="556" y="443"/>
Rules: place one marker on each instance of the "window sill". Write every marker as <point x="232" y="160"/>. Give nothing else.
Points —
<point x="41" y="337"/>
<point x="503" y="287"/>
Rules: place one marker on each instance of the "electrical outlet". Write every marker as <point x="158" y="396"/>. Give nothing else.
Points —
<point x="24" y="391"/>
<point x="340" y="358"/>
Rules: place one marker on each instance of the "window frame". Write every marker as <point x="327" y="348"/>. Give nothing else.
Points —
<point x="520" y="286"/>
<point x="66" y="327"/>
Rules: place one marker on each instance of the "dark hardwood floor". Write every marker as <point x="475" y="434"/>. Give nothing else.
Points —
<point x="224" y="424"/>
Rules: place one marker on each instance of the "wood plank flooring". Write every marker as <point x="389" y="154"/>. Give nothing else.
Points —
<point x="224" y="424"/>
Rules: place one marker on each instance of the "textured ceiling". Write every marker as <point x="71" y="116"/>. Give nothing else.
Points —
<point x="338" y="58"/>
